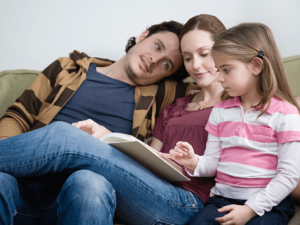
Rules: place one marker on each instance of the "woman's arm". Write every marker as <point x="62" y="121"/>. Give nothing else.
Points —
<point x="156" y="144"/>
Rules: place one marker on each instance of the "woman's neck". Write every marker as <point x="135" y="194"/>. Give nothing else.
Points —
<point x="212" y="91"/>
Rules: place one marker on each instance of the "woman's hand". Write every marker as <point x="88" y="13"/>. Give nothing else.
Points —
<point x="184" y="154"/>
<point x="92" y="128"/>
<point x="238" y="215"/>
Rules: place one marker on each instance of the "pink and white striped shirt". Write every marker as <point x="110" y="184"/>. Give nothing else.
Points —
<point x="253" y="159"/>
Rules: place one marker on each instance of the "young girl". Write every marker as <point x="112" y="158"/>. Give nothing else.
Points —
<point x="253" y="144"/>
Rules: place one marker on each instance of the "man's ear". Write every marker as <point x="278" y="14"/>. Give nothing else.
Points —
<point x="142" y="36"/>
<point x="256" y="66"/>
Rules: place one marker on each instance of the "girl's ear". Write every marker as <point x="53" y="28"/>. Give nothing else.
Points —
<point x="142" y="36"/>
<point x="256" y="65"/>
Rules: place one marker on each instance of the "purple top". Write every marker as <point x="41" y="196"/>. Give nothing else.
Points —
<point x="174" y="124"/>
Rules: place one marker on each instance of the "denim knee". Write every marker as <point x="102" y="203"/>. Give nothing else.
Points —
<point x="8" y="192"/>
<point x="7" y="185"/>
<point x="88" y="189"/>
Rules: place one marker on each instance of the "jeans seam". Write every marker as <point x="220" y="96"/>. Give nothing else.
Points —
<point x="50" y="207"/>
<point x="26" y="215"/>
<point x="162" y="222"/>
<point x="191" y="198"/>
<point x="49" y="158"/>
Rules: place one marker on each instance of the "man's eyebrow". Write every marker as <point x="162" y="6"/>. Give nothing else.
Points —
<point x="162" y="44"/>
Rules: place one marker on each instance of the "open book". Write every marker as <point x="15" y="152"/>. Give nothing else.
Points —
<point x="145" y="155"/>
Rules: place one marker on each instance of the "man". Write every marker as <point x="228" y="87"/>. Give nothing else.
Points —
<point x="120" y="96"/>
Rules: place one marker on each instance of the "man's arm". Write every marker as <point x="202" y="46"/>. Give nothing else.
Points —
<point x="20" y="116"/>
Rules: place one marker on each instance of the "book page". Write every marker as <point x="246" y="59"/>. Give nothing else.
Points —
<point x="116" y="138"/>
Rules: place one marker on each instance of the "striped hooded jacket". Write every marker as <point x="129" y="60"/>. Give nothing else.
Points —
<point x="52" y="89"/>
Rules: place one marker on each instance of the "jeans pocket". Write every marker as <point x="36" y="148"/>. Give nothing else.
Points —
<point x="159" y="222"/>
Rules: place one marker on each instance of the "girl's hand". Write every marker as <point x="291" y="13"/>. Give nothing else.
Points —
<point x="239" y="215"/>
<point x="183" y="153"/>
<point x="92" y="128"/>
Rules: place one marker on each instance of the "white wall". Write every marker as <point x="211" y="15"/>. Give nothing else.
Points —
<point x="33" y="33"/>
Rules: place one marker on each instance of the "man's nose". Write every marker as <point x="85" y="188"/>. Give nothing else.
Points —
<point x="154" y="59"/>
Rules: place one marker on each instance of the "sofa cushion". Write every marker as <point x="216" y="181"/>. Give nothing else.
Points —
<point x="292" y="70"/>
<point x="12" y="85"/>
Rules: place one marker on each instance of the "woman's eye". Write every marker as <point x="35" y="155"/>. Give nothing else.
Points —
<point x="166" y="65"/>
<point x="157" y="47"/>
<point x="187" y="59"/>
<point x="204" y="55"/>
<point x="226" y="70"/>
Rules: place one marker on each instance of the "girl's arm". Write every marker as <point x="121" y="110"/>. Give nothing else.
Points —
<point x="195" y="165"/>
<point x="208" y="163"/>
<point x="283" y="184"/>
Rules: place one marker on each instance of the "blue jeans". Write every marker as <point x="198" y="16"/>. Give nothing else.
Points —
<point x="142" y="197"/>
<point x="279" y="215"/>
<point x="78" y="200"/>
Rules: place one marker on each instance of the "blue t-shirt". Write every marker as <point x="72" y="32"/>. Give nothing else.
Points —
<point x="107" y="101"/>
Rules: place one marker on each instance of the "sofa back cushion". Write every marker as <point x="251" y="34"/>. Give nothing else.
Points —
<point x="292" y="70"/>
<point x="12" y="85"/>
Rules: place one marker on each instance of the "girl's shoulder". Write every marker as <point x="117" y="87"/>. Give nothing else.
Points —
<point x="278" y="105"/>
<point x="229" y="103"/>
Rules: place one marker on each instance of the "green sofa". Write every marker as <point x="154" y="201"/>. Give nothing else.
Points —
<point x="14" y="82"/>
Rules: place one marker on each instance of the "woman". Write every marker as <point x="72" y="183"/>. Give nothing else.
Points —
<point x="142" y="198"/>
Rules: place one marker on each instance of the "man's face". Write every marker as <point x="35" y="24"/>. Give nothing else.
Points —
<point x="153" y="58"/>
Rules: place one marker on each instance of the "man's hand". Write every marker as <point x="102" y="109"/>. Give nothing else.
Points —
<point x="183" y="153"/>
<point x="2" y="138"/>
<point x="239" y="215"/>
<point x="92" y="128"/>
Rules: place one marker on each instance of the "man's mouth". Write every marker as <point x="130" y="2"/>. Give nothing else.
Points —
<point x="145" y="64"/>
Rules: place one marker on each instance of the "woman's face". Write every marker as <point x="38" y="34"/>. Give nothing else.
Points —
<point x="196" y="48"/>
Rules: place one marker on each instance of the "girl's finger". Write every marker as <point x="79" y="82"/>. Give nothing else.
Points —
<point x="176" y="149"/>
<point x="175" y="154"/>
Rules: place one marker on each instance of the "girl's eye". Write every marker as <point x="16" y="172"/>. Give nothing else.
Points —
<point x="166" y="65"/>
<point x="226" y="70"/>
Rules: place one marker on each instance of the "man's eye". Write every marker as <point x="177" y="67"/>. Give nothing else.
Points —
<point x="166" y="65"/>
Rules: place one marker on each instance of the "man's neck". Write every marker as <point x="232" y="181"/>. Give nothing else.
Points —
<point x="116" y="71"/>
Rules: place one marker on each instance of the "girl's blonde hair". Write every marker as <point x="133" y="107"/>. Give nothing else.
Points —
<point x="244" y="42"/>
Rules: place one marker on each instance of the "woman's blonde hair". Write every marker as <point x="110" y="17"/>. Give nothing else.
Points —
<point x="244" y="42"/>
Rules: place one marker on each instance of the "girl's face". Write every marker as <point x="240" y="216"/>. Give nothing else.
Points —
<point x="196" y="48"/>
<point x="235" y="76"/>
